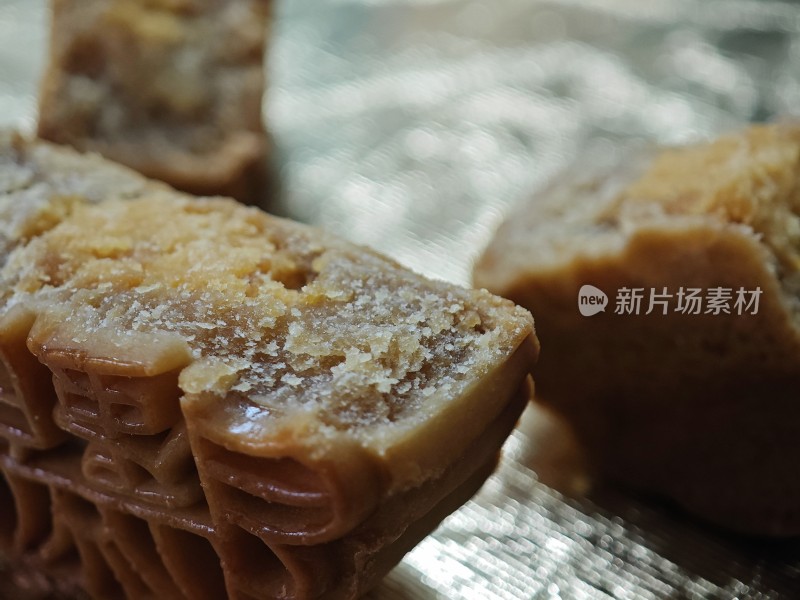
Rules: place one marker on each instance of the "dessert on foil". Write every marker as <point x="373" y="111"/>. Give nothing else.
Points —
<point x="198" y="399"/>
<point x="686" y="383"/>
<point x="171" y="88"/>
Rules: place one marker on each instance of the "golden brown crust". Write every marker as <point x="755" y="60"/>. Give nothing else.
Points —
<point x="325" y="398"/>
<point x="172" y="89"/>
<point x="698" y="407"/>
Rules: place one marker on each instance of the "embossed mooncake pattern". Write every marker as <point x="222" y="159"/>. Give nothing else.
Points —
<point x="222" y="402"/>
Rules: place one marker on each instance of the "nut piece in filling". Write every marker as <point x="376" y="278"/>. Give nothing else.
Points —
<point x="691" y="390"/>
<point x="296" y="411"/>
<point x="171" y="88"/>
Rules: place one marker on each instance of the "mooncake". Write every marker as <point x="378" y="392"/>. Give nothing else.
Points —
<point x="171" y="88"/>
<point x="665" y="287"/>
<point x="199" y="399"/>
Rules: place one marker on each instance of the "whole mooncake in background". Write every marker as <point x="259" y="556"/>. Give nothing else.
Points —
<point x="171" y="88"/>
<point x="667" y="292"/>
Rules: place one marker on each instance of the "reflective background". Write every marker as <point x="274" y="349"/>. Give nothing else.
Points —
<point x="412" y="126"/>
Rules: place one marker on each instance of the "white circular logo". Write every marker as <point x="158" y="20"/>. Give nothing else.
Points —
<point x="591" y="300"/>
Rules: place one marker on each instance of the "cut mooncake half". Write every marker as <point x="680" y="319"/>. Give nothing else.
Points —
<point x="189" y="377"/>
<point x="686" y="383"/>
<point x="172" y="88"/>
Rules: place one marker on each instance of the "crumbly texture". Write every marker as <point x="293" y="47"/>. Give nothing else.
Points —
<point x="698" y="407"/>
<point x="172" y="88"/>
<point x="296" y="409"/>
<point x="285" y="315"/>
<point x="39" y="182"/>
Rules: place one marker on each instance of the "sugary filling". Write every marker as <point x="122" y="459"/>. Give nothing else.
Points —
<point x="281" y="315"/>
<point x="749" y="178"/>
